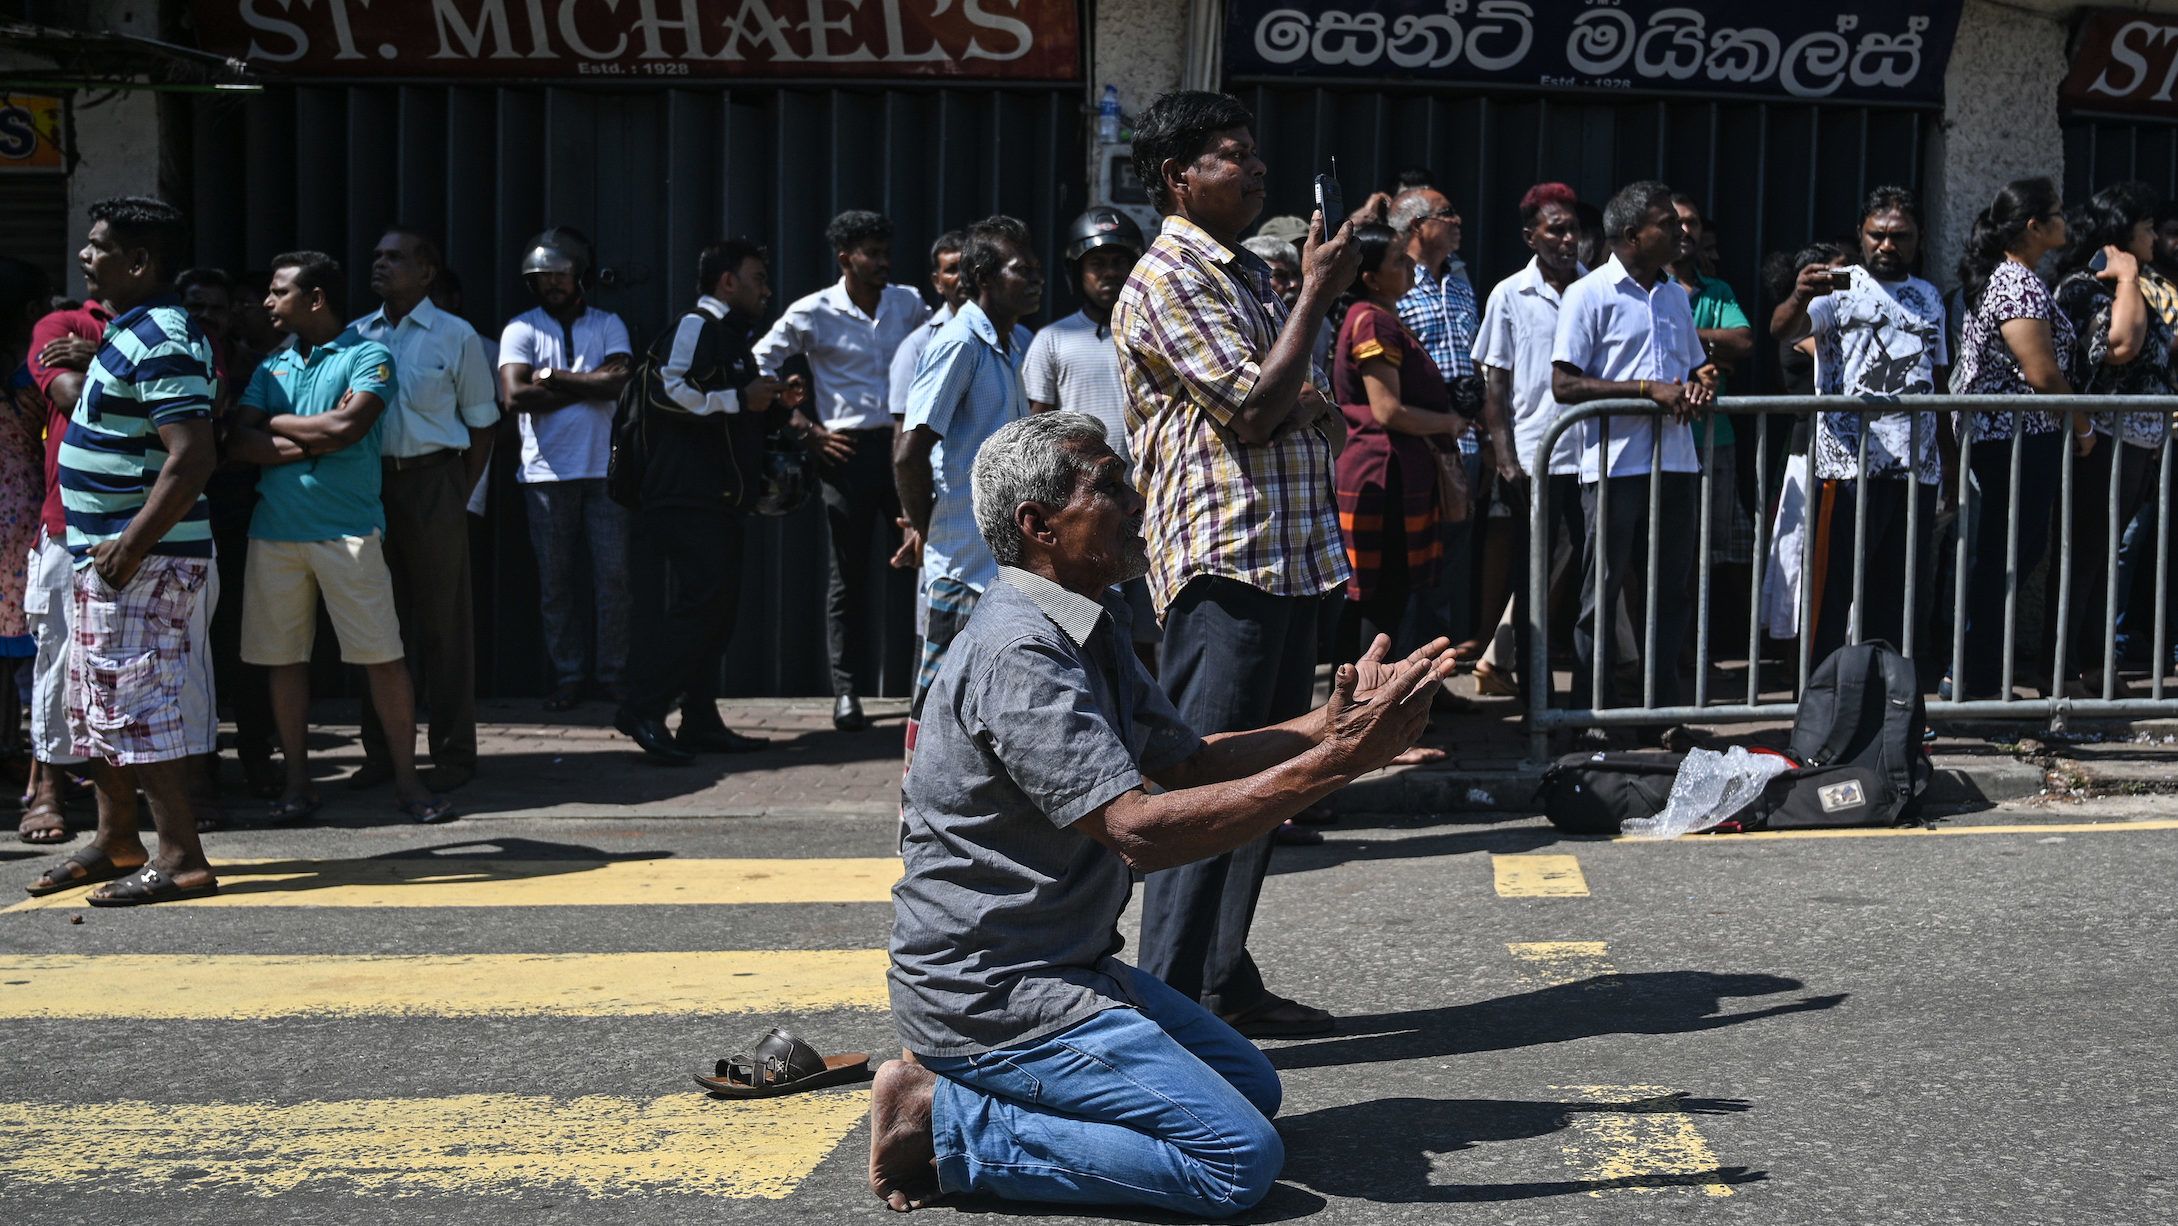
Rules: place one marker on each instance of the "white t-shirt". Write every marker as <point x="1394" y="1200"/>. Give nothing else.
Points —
<point x="1882" y="339"/>
<point x="1074" y="366"/>
<point x="1519" y="327"/>
<point x="570" y="443"/>
<point x="1610" y="328"/>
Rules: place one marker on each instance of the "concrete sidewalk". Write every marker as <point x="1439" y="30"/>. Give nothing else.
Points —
<point x="540" y="764"/>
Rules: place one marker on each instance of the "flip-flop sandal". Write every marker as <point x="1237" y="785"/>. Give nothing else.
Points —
<point x="782" y="1064"/>
<point x="289" y="812"/>
<point x="148" y="885"/>
<point x="42" y="825"/>
<point x="430" y="812"/>
<point x="96" y="869"/>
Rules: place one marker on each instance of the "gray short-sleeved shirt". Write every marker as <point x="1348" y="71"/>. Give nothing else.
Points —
<point x="1006" y="920"/>
<point x="1073" y="366"/>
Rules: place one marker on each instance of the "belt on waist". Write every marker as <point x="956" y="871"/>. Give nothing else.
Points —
<point x="399" y="463"/>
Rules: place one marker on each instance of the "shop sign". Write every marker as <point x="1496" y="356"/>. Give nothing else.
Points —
<point x="1859" y="50"/>
<point x="636" y="40"/>
<point x="30" y="133"/>
<point x="2123" y="60"/>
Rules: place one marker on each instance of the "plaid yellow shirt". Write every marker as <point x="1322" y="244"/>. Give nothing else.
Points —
<point x="1193" y="327"/>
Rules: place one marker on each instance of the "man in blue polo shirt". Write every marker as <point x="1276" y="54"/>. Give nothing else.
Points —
<point x="312" y="417"/>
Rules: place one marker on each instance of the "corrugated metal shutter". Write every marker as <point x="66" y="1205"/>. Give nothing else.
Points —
<point x="34" y="223"/>
<point x="650" y="174"/>
<point x="2100" y="151"/>
<point x="1772" y="175"/>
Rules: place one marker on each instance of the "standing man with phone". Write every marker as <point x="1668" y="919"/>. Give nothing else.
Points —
<point x="1234" y="448"/>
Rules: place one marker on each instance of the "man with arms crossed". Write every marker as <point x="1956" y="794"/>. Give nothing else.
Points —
<point x="1044" y="1069"/>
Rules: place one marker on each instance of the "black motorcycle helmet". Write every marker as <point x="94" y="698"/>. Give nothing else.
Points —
<point x="1101" y="226"/>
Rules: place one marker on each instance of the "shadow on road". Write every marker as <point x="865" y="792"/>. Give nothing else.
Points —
<point x="443" y="864"/>
<point x="1336" y="850"/>
<point x="1650" y="1002"/>
<point x="1349" y="1151"/>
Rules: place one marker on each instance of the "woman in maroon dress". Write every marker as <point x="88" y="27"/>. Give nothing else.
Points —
<point x="1400" y="414"/>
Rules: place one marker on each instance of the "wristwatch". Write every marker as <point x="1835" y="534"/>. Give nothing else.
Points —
<point x="544" y="377"/>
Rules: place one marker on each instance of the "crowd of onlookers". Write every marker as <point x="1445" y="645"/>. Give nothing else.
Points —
<point x="262" y="438"/>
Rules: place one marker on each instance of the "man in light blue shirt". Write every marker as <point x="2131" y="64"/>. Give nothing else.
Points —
<point x="967" y="386"/>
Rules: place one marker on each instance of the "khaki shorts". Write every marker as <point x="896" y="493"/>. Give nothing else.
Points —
<point x="280" y="600"/>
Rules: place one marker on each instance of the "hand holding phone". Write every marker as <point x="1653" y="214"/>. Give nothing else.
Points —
<point x="1330" y="201"/>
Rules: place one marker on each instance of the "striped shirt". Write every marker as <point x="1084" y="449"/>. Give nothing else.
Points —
<point x="153" y="368"/>
<point x="1440" y="311"/>
<point x="1193" y="326"/>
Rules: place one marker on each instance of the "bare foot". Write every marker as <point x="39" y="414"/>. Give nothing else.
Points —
<point x="1419" y="755"/>
<point x="902" y="1158"/>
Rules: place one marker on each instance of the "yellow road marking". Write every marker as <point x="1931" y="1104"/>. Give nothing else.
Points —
<point x="1646" y="1142"/>
<point x="1531" y="875"/>
<point x="598" y="1146"/>
<point x="471" y="985"/>
<point x="483" y="881"/>
<point x="1552" y="964"/>
<point x="1898" y="832"/>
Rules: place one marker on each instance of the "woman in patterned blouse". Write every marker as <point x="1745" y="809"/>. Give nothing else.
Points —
<point x="2015" y="342"/>
<point x="2123" y="350"/>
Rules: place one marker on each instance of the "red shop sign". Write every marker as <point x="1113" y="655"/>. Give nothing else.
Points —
<point x="2124" y="60"/>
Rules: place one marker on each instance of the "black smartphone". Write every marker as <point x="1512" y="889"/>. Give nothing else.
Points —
<point x="1329" y="201"/>
<point x="2099" y="261"/>
<point x="1841" y="278"/>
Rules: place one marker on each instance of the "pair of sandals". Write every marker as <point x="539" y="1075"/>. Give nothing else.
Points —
<point x="430" y="811"/>
<point x="781" y="1064"/>
<point x="133" y="886"/>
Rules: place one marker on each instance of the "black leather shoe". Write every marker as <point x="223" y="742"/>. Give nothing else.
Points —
<point x="652" y="735"/>
<point x="718" y="740"/>
<point x="847" y="714"/>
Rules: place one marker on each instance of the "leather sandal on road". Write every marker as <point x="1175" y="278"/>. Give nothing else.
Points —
<point x="782" y="1064"/>
<point x="148" y="885"/>
<point x="88" y="865"/>
<point x="44" y="823"/>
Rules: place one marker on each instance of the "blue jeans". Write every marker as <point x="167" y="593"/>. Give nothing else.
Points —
<point x="1164" y="1106"/>
<point x="581" y="539"/>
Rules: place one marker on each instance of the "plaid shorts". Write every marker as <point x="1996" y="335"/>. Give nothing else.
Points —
<point x="139" y="672"/>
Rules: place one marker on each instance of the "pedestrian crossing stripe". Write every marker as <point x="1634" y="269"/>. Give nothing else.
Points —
<point x="1532" y="875"/>
<point x="1556" y="964"/>
<point x="1645" y="1148"/>
<point x="595" y="1146"/>
<point x="262" y="986"/>
<point x="487" y="881"/>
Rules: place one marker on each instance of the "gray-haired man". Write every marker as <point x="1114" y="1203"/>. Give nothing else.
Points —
<point x="1044" y="1068"/>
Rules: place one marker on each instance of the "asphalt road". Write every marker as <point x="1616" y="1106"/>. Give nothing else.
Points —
<point x="1971" y="1028"/>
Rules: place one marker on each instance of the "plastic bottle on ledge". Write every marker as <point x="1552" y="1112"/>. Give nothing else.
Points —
<point x="1108" y="116"/>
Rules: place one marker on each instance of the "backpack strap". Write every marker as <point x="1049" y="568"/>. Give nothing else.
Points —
<point x="1849" y="683"/>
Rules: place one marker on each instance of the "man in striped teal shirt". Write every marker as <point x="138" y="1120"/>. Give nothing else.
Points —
<point x="132" y="470"/>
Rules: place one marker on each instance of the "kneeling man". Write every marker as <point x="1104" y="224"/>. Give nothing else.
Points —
<point x="1041" y="1068"/>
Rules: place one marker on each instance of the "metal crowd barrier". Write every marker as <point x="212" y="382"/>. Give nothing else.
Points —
<point x="1546" y="716"/>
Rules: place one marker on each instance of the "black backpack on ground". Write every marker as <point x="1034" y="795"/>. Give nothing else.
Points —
<point x="1591" y="793"/>
<point x="1857" y="739"/>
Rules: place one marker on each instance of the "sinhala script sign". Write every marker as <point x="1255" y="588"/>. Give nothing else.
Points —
<point x="639" y="39"/>
<point x="1891" y="50"/>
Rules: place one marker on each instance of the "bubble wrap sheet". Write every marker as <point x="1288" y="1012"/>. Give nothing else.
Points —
<point x="1710" y="787"/>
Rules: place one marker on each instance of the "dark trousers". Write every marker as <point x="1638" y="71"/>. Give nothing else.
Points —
<point x="1677" y="539"/>
<point x="2138" y="469"/>
<point x="860" y="508"/>
<point x="1885" y="600"/>
<point x="1235" y="658"/>
<point x="684" y="580"/>
<point x="1566" y="514"/>
<point x="427" y="550"/>
<point x="233" y="497"/>
<point x="1986" y="582"/>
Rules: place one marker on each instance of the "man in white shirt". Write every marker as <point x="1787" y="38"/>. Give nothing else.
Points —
<point x="1625" y="332"/>
<point x="435" y="442"/>
<point x="1512" y="350"/>
<point x="945" y="282"/>
<point x="1879" y="335"/>
<point x="849" y="332"/>
<point x="561" y="366"/>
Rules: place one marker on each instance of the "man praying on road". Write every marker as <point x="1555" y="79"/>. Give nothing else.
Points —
<point x="1041" y="1068"/>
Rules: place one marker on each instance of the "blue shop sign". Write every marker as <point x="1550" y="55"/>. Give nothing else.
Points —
<point x="1847" y="50"/>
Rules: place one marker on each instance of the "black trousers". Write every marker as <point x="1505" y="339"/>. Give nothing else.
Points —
<point x="1565" y="513"/>
<point x="860" y="508"/>
<point x="2137" y="470"/>
<point x="1235" y="658"/>
<point x="1885" y="600"/>
<point x="684" y="586"/>
<point x="1677" y="540"/>
<point x="2040" y="468"/>
<point x="427" y="551"/>
<point x="233" y="498"/>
